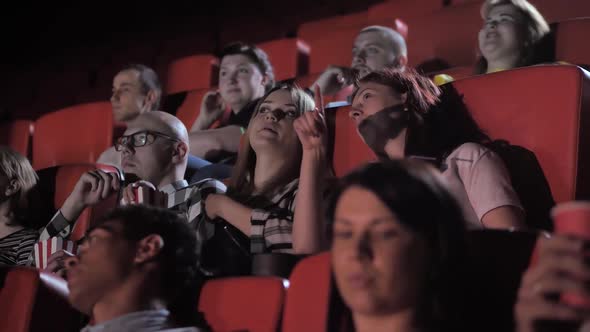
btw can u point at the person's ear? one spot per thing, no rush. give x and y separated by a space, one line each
402 61
148 248
151 98
180 152
12 188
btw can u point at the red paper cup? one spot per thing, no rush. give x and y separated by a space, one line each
573 218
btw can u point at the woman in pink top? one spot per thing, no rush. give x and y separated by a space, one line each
399 114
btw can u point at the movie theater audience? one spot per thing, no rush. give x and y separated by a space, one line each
17 232
401 114
397 250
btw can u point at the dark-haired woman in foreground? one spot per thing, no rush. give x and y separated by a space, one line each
397 249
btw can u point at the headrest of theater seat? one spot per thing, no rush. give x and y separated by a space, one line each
545 109
306 305
349 149
30 302
243 303
77 134
191 73
17 135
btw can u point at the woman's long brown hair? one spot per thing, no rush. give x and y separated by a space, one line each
241 184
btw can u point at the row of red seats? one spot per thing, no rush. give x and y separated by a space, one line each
548 114
449 35
435 32
302 303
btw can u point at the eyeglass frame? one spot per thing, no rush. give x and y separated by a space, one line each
120 146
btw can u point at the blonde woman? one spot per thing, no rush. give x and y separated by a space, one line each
17 237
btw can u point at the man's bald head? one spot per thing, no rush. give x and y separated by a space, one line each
161 155
398 43
378 47
162 122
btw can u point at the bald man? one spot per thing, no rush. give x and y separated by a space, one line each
154 150
375 48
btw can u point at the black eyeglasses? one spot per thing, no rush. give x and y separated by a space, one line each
141 138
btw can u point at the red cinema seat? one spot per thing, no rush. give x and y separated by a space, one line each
17 135
556 11
187 106
76 134
349 149
191 73
289 57
456 73
545 109
243 303
31 302
402 8
448 35
358 20
568 41
308 296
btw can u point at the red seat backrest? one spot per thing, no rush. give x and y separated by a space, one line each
189 110
334 22
402 9
555 11
31 303
76 134
243 303
448 34
308 296
545 109
289 57
17 135
191 73
349 149
567 41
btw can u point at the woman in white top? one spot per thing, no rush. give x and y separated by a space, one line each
399 115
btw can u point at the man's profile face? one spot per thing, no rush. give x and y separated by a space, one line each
104 261
128 99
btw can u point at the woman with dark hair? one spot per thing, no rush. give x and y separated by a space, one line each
401 114
274 194
511 36
245 75
17 236
396 250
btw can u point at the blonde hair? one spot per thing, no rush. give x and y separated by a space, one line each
535 29
242 180
17 167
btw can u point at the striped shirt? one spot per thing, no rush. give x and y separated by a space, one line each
272 225
15 248
182 198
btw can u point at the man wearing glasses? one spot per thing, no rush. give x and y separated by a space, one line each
137 270
154 150
137 90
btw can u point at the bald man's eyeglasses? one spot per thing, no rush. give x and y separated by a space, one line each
141 138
